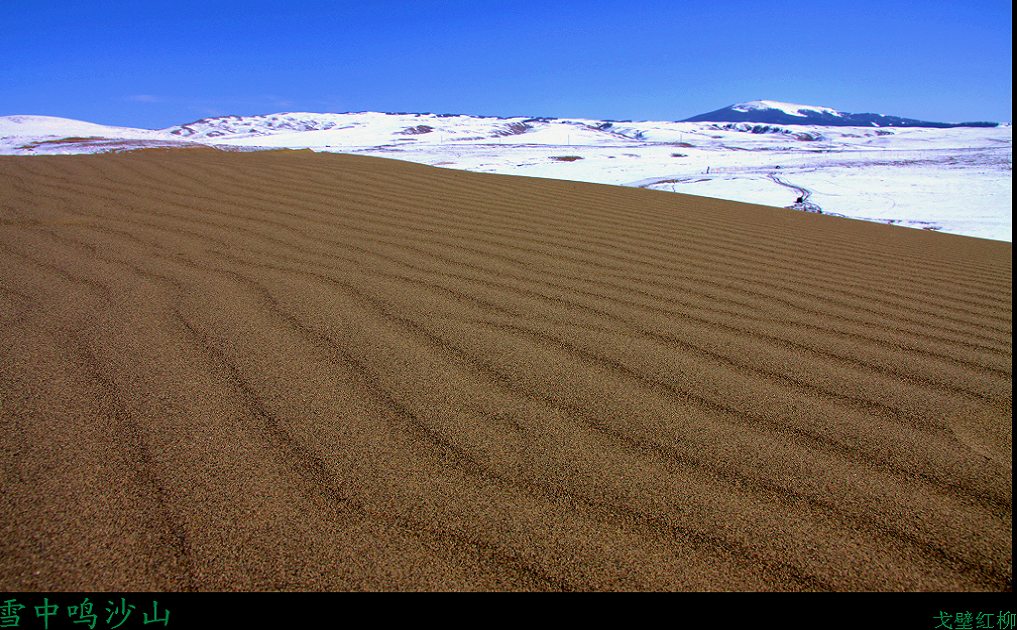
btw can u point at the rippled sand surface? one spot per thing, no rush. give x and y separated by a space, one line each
287 370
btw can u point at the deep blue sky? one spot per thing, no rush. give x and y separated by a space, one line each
154 64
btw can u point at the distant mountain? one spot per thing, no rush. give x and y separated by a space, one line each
777 113
359 131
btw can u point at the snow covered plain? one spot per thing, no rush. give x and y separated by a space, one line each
956 180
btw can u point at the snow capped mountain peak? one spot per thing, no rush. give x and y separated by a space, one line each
791 109
780 113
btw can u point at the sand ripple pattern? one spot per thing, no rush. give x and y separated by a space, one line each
285 370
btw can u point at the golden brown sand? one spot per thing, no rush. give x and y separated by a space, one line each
296 371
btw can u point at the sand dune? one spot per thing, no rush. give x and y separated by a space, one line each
288 370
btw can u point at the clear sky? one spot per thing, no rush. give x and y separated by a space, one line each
154 64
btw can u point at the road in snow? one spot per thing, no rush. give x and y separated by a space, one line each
802 201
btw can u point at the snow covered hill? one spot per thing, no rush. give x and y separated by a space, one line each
376 129
53 127
50 134
954 179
